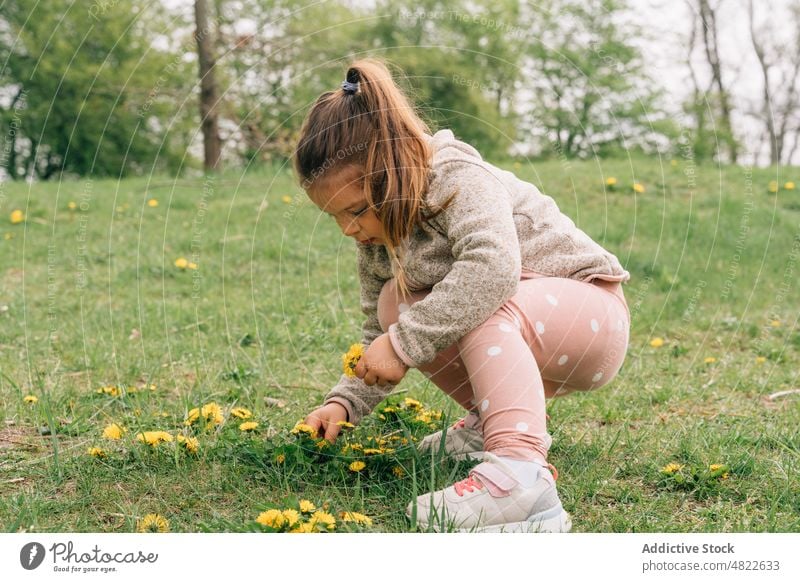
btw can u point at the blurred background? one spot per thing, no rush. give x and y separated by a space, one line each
130 88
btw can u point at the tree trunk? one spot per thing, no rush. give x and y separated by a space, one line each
710 40
208 87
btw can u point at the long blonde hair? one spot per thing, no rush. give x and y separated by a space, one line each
375 128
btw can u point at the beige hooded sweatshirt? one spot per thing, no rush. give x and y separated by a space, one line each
472 256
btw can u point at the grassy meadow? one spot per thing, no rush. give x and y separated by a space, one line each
102 323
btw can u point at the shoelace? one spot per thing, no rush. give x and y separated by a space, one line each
469 485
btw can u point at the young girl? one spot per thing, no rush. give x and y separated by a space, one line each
475 278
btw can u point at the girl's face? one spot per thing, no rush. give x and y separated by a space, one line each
341 197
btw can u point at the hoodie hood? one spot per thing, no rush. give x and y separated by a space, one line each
446 148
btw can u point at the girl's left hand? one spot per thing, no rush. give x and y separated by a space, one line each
380 364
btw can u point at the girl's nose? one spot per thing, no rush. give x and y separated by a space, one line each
350 228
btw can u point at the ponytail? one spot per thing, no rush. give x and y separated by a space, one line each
371 124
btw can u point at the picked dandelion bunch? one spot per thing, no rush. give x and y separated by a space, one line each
351 358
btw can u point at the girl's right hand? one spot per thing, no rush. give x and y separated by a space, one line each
326 418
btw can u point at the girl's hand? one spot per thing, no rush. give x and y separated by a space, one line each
380 364
325 418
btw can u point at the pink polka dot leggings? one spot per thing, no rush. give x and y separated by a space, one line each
554 336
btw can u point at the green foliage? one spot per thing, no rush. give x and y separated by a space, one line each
92 97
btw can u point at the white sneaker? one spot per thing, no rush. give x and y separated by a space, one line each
462 440
491 499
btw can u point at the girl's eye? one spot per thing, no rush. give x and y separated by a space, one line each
360 212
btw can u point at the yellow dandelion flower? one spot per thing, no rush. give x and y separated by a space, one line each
109 390
286 199
271 518
357 466
96 452
389 409
211 412
611 181
280 458
673 163
322 518
153 523
656 342
291 516
303 427
719 467
113 432
412 404
240 412
671 468
398 471
760 359
181 263
152 203
638 187
772 186
17 216
351 358
710 360
775 323
321 443
306 506
355 517
788 186
372 451
248 426
191 444
345 424
303 528
31 399
72 205
154 437
192 266
357 446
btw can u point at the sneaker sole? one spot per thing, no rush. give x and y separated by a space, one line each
555 520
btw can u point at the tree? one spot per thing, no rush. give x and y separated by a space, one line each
779 64
590 94
88 94
208 86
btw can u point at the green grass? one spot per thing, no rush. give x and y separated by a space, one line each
274 304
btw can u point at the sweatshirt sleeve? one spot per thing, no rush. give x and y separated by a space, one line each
358 398
480 229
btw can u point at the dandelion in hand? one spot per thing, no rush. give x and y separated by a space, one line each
351 358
